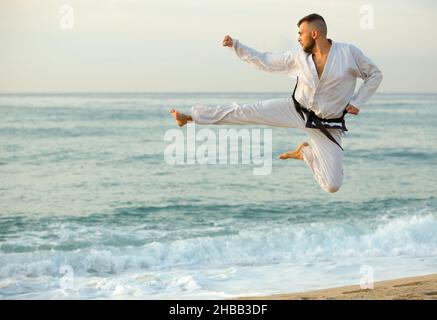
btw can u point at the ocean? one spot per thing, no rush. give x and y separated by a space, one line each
90 209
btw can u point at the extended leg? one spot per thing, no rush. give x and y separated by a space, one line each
274 112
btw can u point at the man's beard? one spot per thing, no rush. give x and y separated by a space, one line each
309 48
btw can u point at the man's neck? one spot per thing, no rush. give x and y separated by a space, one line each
321 49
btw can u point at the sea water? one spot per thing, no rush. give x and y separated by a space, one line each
90 209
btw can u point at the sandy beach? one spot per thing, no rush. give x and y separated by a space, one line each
412 288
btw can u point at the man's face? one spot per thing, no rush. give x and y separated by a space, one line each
305 37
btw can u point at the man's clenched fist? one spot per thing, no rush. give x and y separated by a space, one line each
227 41
352 110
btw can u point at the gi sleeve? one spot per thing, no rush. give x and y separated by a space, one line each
371 75
274 62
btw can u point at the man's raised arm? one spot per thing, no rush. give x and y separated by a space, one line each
275 62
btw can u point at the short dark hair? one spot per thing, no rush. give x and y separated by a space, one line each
317 20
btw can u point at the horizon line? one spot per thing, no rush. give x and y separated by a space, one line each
184 92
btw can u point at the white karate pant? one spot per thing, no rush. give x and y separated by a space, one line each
323 157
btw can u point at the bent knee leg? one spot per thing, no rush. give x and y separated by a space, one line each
331 188
332 185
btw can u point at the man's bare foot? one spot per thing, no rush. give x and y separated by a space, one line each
294 154
180 118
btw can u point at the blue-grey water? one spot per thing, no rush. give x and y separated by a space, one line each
89 209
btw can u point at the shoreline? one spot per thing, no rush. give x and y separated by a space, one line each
409 288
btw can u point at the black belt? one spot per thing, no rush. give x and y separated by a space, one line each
314 122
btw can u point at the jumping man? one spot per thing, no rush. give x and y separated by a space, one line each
326 72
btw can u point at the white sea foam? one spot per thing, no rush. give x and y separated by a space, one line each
170 267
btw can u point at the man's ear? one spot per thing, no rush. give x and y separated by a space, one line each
314 34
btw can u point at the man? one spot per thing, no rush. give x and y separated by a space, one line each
326 73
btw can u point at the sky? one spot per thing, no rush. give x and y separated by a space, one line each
175 45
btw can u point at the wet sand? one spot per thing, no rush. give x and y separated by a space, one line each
412 288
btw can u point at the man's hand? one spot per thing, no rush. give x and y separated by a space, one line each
227 42
352 110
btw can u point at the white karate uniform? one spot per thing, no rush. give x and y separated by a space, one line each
327 97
